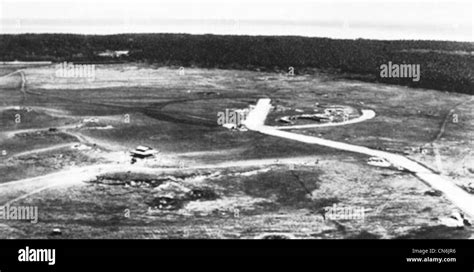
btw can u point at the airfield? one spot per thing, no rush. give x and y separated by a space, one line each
65 147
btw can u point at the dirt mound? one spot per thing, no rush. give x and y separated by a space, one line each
202 194
173 196
171 190
275 236
166 203
130 179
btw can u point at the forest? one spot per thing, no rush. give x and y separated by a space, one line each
446 66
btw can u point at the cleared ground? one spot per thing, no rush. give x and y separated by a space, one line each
231 184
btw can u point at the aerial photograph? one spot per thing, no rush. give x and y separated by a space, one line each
236 119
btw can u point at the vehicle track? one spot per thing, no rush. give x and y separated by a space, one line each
459 197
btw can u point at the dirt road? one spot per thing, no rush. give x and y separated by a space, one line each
366 115
16 190
462 199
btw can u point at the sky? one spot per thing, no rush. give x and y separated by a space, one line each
375 19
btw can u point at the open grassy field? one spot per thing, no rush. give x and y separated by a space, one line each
273 202
216 183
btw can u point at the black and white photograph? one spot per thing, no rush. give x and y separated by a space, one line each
237 119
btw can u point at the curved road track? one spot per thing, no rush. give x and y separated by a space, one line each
459 197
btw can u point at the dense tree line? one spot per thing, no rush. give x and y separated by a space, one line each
442 66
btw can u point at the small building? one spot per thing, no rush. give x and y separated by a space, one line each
113 53
285 119
377 161
235 127
230 126
142 152
90 120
